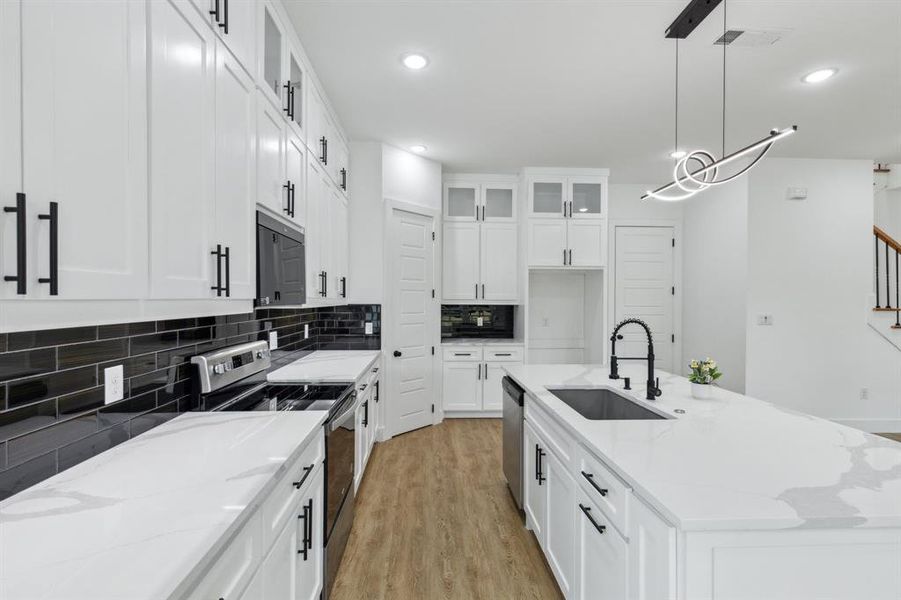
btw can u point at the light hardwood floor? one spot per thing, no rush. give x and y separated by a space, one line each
434 520
891 436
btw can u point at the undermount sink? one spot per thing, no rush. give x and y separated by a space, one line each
598 404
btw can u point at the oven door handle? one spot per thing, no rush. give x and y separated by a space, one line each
349 411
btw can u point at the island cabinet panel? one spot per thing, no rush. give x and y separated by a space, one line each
560 521
234 568
601 555
535 499
652 555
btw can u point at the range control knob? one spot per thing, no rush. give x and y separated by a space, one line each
219 369
261 353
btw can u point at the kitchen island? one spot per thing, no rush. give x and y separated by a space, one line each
729 497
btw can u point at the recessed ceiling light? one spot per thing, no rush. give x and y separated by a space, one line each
677 154
415 62
819 75
418 148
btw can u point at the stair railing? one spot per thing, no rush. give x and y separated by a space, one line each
890 246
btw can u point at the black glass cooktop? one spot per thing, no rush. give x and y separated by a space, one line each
259 395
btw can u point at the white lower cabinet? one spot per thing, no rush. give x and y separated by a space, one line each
366 420
535 497
601 555
560 523
472 374
567 243
652 555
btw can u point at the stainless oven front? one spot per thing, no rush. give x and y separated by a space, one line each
339 486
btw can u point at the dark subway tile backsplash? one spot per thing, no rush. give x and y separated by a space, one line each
52 411
462 321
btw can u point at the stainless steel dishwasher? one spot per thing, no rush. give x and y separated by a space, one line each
513 423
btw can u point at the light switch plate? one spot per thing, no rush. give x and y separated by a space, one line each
368 328
480 321
765 319
306 330
113 384
273 340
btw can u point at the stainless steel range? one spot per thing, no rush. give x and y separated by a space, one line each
234 379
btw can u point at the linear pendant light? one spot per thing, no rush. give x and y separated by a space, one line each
686 182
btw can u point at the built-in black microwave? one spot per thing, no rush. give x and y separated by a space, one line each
281 268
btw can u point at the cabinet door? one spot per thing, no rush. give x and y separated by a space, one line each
492 392
271 55
499 268
461 261
10 135
328 246
313 233
587 242
235 126
279 568
535 500
235 23
547 242
462 386
561 521
338 153
546 198
295 207
602 556
340 242
309 565
461 202
182 177
587 197
272 190
254 589
84 144
652 555
295 103
499 202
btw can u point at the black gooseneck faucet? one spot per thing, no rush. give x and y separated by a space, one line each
653 385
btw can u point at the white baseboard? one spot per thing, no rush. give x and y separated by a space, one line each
473 414
873 425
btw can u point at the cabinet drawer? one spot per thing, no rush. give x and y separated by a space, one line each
503 353
280 505
462 353
232 571
605 489
554 435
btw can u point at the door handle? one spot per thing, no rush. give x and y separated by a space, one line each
215 11
590 478
224 23
306 473
19 277
53 279
287 107
477 291
398 354
218 254
228 271
480 372
366 414
587 511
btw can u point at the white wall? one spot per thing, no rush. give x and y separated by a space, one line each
887 201
410 178
715 280
624 203
810 266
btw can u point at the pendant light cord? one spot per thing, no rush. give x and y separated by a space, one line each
724 77
676 146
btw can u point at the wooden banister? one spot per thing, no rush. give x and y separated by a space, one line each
889 240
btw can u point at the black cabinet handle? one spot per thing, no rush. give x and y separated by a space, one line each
376 392
323 146
486 371
323 276
344 287
228 272
503 354
224 23
291 198
305 515
477 291
344 179
218 254
309 524
570 257
541 477
398 354
306 473
287 188
462 353
483 291
53 279
480 372
366 414
287 107
590 478
291 97
215 11
587 511
19 277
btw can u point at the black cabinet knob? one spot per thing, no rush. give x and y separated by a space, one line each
397 353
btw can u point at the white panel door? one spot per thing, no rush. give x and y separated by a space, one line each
587 243
462 386
295 207
535 485
315 199
272 186
412 271
235 126
492 391
182 149
498 262
84 103
644 290
561 515
602 555
309 563
547 242
461 261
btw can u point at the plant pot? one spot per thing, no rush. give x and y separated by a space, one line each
701 391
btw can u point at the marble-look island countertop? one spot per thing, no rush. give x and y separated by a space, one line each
481 341
143 519
731 462
326 366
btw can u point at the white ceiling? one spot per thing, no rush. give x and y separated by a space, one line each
590 83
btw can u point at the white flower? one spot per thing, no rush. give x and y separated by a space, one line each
694 364
712 364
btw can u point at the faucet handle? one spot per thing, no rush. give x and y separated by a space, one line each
657 390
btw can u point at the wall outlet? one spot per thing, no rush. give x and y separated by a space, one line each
765 319
113 384
864 393
273 340
480 321
306 330
368 328
796 193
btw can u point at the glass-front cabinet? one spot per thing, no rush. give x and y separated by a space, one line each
468 201
546 197
294 89
568 197
461 201
498 202
272 55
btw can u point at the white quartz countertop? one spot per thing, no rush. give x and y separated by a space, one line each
143 519
481 342
731 462
326 366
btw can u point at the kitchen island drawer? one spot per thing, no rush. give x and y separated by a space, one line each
503 353
605 489
462 353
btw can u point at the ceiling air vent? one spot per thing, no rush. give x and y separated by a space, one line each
749 38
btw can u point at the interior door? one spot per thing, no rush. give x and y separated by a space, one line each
587 243
547 242
462 386
498 262
644 289
461 261
182 152
235 125
84 144
413 322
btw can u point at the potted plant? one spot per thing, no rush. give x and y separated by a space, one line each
703 374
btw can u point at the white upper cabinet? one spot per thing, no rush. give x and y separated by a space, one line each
479 202
295 89
235 23
295 206
574 197
461 202
182 150
313 233
272 43
235 128
547 197
272 185
499 202
81 160
587 243
498 261
547 243
339 241
587 197
461 277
